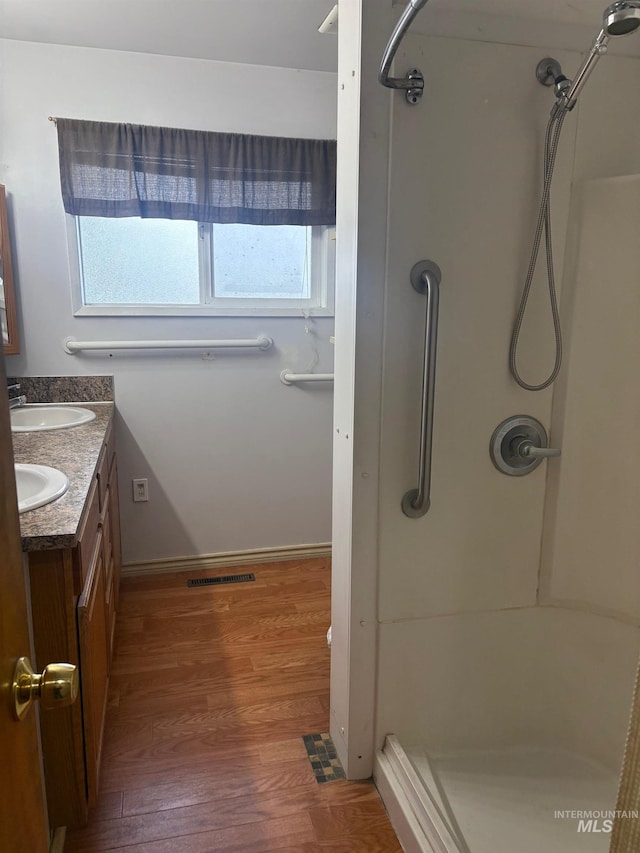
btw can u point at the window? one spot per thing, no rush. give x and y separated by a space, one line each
172 221
161 266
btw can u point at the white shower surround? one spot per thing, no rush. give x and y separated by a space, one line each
547 677
544 689
488 641
519 713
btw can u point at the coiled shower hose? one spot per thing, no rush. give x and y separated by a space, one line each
552 139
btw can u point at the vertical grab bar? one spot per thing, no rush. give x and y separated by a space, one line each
425 279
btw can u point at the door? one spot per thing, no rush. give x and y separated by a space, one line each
23 825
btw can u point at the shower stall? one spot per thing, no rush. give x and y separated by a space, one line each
507 618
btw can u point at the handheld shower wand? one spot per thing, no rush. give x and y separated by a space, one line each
619 19
568 96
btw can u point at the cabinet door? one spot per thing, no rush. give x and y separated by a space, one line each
94 666
109 596
86 538
114 508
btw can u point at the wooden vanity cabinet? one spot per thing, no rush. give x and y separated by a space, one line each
74 599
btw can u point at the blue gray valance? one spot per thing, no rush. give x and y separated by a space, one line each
115 169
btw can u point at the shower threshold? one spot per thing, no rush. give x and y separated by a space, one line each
495 801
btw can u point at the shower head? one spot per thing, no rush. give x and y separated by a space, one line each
621 18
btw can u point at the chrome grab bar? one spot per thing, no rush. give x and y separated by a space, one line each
425 278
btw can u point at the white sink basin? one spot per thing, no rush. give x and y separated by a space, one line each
31 418
38 485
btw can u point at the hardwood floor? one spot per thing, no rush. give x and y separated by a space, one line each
212 689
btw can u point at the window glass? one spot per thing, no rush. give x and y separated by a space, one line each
138 261
261 262
132 266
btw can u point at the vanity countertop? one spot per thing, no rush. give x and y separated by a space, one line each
75 452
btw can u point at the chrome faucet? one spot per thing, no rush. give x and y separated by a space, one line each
20 400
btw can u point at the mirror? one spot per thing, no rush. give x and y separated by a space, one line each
7 293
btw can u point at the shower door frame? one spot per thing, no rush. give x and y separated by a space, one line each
364 123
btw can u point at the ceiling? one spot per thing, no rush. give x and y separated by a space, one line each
259 32
285 32
569 24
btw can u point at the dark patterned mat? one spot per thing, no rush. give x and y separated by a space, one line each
324 759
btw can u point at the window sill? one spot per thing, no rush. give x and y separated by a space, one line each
196 311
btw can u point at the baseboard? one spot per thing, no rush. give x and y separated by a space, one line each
227 558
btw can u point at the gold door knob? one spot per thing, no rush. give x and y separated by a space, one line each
55 687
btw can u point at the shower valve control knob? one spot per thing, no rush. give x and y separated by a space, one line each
519 444
528 450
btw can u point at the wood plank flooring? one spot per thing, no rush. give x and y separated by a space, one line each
212 689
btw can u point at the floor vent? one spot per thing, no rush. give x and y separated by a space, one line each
224 579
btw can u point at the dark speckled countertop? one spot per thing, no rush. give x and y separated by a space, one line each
74 451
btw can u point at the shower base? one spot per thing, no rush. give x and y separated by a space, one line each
494 801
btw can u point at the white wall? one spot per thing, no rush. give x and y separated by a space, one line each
235 459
